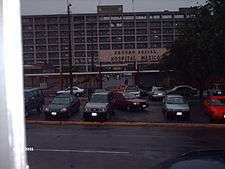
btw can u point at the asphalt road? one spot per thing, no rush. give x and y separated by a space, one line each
110 147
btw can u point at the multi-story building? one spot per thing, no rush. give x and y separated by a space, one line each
110 36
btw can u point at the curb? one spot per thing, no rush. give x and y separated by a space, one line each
138 124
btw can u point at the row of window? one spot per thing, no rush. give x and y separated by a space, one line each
91 40
64 35
81 47
41 20
102 25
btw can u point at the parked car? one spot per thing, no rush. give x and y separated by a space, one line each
157 93
62 106
99 107
34 100
119 88
175 106
215 107
100 90
128 101
216 89
76 90
184 90
133 90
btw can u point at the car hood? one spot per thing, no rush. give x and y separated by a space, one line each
218 109
159 92
137 100
56 107
178 107
96 105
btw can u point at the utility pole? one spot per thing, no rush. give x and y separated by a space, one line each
100 74
70 47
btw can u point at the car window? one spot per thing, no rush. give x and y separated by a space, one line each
175 100
129 96
61 100
99 98
132 88
217 102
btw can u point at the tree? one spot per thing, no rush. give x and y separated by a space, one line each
199 53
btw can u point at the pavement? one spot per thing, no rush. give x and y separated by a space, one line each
110 147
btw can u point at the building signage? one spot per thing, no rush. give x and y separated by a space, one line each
130 55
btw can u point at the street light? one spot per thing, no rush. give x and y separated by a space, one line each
70 47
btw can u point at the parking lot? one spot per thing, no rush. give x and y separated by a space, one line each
151 114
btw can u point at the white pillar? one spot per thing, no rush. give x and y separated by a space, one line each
12 131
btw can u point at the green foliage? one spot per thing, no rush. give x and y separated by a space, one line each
200 53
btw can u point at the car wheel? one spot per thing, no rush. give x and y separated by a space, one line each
128 108
47 117
168 117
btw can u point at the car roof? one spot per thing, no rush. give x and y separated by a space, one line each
101 93
31 89
216 97
174 95
64 95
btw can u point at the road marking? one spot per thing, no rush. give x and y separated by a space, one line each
141 124
81 151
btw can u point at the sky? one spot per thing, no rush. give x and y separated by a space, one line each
42 7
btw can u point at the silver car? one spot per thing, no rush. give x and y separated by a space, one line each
99 107
176 106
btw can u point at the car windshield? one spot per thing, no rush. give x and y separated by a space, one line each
61 100
99 98
130 96
175 100
131 89
218 102
221 87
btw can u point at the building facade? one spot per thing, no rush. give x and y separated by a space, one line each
110 38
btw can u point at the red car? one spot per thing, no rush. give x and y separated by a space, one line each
127 101
215 107
119 88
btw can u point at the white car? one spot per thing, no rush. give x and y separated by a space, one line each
184 90
157 93
133 90
76 90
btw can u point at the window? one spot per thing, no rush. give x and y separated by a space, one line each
129 38
117 46
104 46
129 46
53 47
52 27
53 40
117 39
142 31
28 42
40 48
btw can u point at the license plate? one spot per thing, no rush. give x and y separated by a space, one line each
143 105
54 113
179 113
94 114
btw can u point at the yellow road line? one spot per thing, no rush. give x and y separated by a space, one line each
147 124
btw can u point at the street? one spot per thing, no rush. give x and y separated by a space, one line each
109 147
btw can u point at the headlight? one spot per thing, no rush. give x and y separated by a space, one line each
64 109
135 103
